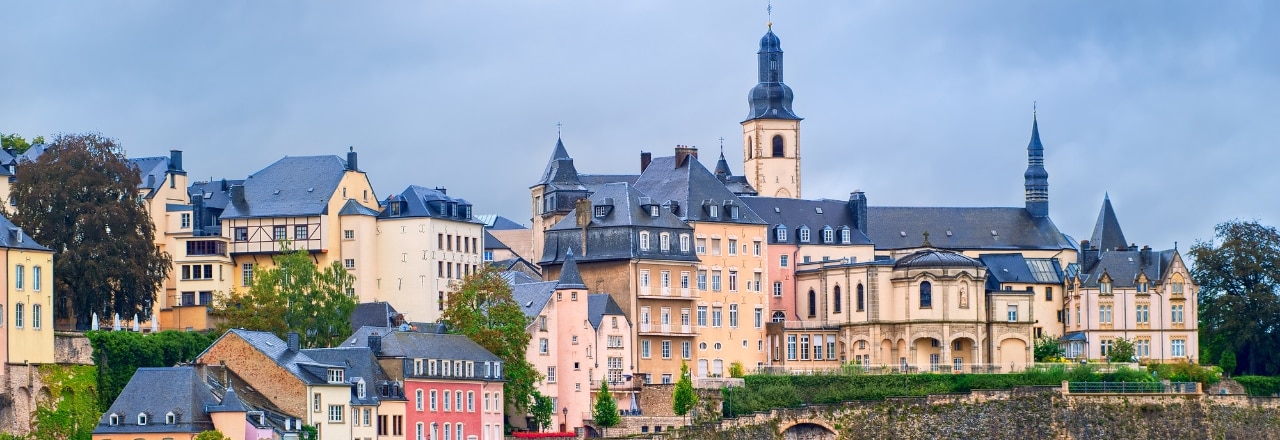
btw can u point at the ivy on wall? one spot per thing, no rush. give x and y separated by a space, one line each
71 411
118 354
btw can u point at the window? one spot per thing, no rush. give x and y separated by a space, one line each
684 242
926 295
777 288
1176 314
417 428
782 260
242 234
713 211
432 402
701 247
417 402
1176 288
716 316
664 241
36 316
335 375
804 347
17 315
315 402
791 347
1104 314
733 315
759 317
644 240
1105 288
279 233
1143 313
644 278
828 235
300 232
844 236
186 220
733 246
1178 348
715 281
804 234
780 234
686 350
702 280
778 150
1142 348
1013 313
246 274
349 263
831 346
348 234
702 316
757 280
645 348
113 420
142 419
666 349
600 210
715 246
755 248
861 299
665 279
335 413
448 400
733 281
615 341
684 280
18 274
836 300
1104 347
1048 294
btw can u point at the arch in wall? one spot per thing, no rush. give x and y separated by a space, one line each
808 429
1013 353
779 150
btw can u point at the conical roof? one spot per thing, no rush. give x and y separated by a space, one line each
569 276
1106 232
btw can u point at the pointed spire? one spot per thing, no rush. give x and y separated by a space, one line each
560 168
569 276
1036 179
230 402
1107 235
722 168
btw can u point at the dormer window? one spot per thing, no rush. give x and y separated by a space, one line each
142 419
1105 287
844 235
599 211
664 241
713 211
395 209
653 210
644 240
360 388
828 235
804 234
170 419
113 420
780 234
684 242
733 211
335 375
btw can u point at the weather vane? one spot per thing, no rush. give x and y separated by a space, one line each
769 13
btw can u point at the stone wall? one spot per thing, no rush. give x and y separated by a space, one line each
22 388
72 348
1032 412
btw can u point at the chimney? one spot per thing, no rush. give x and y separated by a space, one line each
645 158
175 160
375 344
151 180
1145 255
683 152
294 344
197 214
442 190
237 194
858 210
224 184
351 159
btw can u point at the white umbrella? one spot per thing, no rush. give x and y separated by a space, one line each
117 323
155 324
135 323
95 321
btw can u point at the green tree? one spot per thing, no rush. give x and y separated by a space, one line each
482 309
17 143
683 398
737 370
1228 362
80 198
1238 273
541 409
295 295
211 435
1121 351
605 412
116 355
1047 349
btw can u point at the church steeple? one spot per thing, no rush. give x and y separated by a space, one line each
1107 235
1036 178
771 98
771 133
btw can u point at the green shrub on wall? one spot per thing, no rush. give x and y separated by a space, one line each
71 412
119 354
1260 385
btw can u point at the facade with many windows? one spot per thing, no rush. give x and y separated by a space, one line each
26 308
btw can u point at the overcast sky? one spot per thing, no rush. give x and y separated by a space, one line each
1171 106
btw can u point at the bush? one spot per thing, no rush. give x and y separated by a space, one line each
1185 372
1259 385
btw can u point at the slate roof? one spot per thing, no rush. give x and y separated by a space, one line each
903 228
615 235
497 222
691 185
360 363
413 344
13 237
152 170
794 213
569 276
491 242
230 403
156 392
1106 231
533 297
375 314
1014 268
352 207
736 184
560 171
292 186
600 305
931 258
306 369
420 201
1124 266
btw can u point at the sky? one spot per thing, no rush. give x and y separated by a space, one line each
1168 106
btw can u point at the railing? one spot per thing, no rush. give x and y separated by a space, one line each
810 324
1133 387
616 385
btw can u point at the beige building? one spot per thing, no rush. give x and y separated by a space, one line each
771 132
26 310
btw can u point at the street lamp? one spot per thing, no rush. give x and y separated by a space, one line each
565 425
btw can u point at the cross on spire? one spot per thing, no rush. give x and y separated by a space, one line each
558 124
721 144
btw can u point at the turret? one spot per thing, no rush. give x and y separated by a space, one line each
1036 178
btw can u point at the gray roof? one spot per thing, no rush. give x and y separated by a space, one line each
569 276
352 207
156 392
1014 268
533 297
152 170
1124 266
593 182
969 228
306 369
360 363
560 170
692 186
13 237
816 214
513 277
1106 231
230 403
615 235
491 242
599 305
292 186
931 258
420 201
411 344
497 222
376 314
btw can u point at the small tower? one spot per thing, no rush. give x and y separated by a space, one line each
554 195
1036 178
1107 235
771 132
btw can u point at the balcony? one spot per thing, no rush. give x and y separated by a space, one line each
618 385
666 293
651 329
810 324
207 248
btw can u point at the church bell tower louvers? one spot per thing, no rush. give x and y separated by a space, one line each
771 132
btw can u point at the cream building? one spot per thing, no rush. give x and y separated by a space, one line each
771 133
26 311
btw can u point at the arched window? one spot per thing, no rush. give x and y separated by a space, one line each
113 420
418 431
644 240
862 300
778 151
777 317
750 147
813 303
17 315
839 304
828 235
170 418
926 295
142 419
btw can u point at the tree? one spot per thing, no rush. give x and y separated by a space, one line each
211 435
80 198
605 412
1047 349
737 370
542 410
482 309
1238 273
294 296
683 398
1228 362
17 143
117 355
1121 351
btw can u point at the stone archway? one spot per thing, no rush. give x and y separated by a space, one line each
808 430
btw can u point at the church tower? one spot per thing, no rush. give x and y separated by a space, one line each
1036 178
554 195
771 133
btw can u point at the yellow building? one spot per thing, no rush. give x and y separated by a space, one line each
26 313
